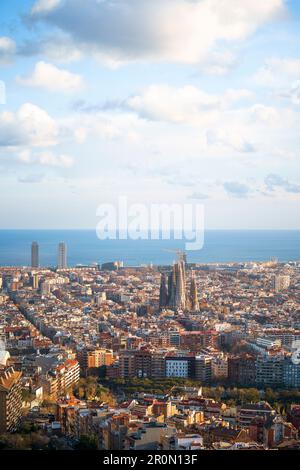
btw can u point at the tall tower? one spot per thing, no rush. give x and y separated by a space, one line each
62 255
194 294
180 296
34 255
163 293
172 288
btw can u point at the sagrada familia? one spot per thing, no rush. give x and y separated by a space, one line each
173 291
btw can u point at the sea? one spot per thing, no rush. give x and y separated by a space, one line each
84 247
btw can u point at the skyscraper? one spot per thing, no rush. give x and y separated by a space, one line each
62 255
34 255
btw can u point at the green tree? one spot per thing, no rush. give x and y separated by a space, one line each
87 442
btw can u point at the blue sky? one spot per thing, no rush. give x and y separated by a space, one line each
162 101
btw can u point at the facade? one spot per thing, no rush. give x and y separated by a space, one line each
269 371
148 437
188 442
247 413
127 364
182 367
158 365
61 378
219 368
291 374
142 364
10 400
174 338
94 358
194 341
268 343
242 370
68 375
203 368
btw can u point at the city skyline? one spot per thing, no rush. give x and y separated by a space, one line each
123 362
149 230
203 110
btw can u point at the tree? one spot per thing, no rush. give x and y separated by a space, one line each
270 395
39 441
14 442
27 396
28 428
252 395
87 442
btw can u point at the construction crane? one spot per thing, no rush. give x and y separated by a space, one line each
180 253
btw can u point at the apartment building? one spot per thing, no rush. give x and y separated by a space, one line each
95 358
10 399
179 366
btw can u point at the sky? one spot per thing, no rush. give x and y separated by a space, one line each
161 101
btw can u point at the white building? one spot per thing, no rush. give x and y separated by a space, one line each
177 367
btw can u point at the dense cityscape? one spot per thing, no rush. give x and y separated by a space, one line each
149 232
181 357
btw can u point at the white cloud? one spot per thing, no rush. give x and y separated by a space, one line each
50 159
80 134
292 93
219 63
282 77
188 104
30 125
51 78
209 125
232 95
166 103
7 49
230 137
295 93
265 114
170 30
46 158
274 181
278 72
105 126
44 6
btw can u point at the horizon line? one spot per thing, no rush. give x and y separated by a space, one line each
160 231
